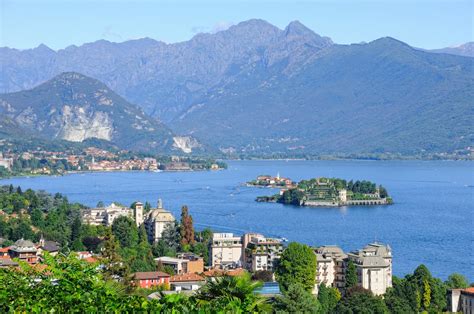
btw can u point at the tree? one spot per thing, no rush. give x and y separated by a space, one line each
186 228
351 275
114 267
263 275
328 298
361 301
233 294
426 294
296 299
126 232
297 265
456 281
100 204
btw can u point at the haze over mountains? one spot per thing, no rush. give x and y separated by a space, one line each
255 88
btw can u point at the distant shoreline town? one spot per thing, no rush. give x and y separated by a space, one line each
330 192
92 159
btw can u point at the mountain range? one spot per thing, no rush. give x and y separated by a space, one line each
255 88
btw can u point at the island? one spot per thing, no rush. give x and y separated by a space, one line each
267 181
328 192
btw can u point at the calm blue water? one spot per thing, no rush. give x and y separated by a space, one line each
431 222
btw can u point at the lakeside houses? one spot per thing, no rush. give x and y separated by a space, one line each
156 221
373 264
461 300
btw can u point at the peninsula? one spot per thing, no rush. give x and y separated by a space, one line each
329 192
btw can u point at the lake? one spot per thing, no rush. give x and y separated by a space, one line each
431 221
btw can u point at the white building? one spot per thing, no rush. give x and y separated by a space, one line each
261 253
106 215
461 300
374 267
330 267
373 264
226 251
156 221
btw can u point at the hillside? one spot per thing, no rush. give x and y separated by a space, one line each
379 97
76 108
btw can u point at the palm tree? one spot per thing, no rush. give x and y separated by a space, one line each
232 293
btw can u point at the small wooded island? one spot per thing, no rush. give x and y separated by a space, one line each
323 192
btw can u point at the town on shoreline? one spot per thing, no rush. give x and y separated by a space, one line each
93 159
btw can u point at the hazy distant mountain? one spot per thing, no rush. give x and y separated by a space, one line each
379 97
75 108
164 79
257 88
466 50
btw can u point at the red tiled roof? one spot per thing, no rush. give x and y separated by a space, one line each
4 249
220 272
90 259
469 290
150 275
186 277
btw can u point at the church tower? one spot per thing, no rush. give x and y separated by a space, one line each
138 213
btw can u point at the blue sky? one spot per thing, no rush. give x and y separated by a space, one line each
58 24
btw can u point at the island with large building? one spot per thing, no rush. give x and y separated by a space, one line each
328 192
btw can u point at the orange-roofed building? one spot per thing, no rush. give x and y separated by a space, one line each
151 279
4 252
220 273
190 281
461 300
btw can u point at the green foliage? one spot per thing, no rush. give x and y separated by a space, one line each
232 294
297 300
292 196
419 291
351 275
328 298
456 281
186 228
263 275
297 265
360 301
125 231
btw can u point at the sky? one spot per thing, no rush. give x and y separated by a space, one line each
426 24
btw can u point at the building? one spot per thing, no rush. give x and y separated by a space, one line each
183 264
51 247
151 279
7 163
156 222
261 253
190 282
138 213
330 270
226 251
461 300
106 215
373 264
24 250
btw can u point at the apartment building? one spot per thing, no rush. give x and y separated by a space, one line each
226 251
